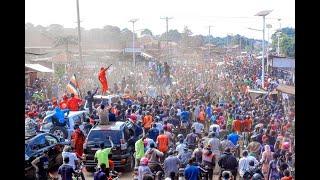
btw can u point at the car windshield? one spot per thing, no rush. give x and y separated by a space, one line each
27 150
98 135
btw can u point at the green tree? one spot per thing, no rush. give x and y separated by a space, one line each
59 70
66 41
287 41
146 32
173 35
111 36
185 38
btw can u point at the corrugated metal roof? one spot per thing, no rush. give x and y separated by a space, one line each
283 63
39 68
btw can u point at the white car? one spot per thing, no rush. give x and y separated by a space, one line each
97 99
74 117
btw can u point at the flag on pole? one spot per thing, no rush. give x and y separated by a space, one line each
73 86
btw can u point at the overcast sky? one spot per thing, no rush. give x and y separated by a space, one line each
227 16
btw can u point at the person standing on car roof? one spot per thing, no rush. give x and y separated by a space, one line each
89 99
78 139
102 155
74 103
103 113
41 164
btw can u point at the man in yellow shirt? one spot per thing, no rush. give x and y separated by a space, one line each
102 155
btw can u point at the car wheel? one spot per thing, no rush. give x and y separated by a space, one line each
60 132
131 165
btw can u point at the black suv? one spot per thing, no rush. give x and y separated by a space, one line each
36 145
123 135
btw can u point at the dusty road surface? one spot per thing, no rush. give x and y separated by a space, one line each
123 176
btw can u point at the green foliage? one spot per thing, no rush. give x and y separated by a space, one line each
287 42
59 70
146 32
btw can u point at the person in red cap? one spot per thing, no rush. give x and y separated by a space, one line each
74 103
103 79
64 103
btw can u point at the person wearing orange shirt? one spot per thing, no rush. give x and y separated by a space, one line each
202 117
147 121
103 80
74 103
64 103
247 124
163 142
236 125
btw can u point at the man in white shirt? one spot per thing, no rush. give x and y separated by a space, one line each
216 126
244 162
198 127
180 147
67 152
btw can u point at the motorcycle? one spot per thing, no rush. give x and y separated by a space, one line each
79 173
249 173
114 175
204 173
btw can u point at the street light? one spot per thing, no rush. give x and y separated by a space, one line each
263 14
278 35
133 51
268 26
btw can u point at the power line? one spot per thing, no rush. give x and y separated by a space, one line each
167 29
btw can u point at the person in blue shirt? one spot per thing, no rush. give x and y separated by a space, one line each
58 117
233 137
112 117
139 129
154 132
192 171
209 111
213 117
184 115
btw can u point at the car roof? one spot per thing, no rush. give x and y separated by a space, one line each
71 114
112 126
30 138
104 97
75 113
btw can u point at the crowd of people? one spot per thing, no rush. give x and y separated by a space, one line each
198 118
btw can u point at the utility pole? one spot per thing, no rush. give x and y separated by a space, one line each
133 51
79 32
240 45
167 29
278 35
210 42
263 14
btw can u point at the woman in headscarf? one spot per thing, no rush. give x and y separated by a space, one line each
265 160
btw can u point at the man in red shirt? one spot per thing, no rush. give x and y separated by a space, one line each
74 103
64 103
